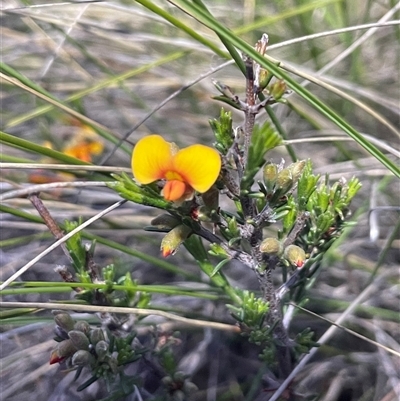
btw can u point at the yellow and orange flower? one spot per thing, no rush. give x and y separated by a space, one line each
194 168
84 145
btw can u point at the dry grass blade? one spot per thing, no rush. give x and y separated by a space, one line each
368 291
67 167
112 309
352 332
57 104
344 95
49 187
359 41
36 259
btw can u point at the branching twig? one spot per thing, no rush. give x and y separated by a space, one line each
249 114
49 221
298 227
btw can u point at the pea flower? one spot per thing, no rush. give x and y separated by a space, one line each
194 168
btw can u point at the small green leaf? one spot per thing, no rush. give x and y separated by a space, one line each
145 195
223 132
219 266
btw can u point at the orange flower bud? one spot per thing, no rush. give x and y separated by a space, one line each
63 350
172 240
295 255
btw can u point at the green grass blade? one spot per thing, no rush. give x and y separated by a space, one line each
184 28
288 13
32 147
29 146
273 66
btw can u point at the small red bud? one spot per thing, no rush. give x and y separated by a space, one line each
295 256
173 239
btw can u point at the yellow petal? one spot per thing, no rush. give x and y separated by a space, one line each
151 159
199 166
96 147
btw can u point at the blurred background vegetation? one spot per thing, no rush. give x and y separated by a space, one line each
88 79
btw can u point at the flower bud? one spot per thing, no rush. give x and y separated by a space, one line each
61 333
172 240
167 380
189 387
65 321
165 222
295 255
82 358
63 350
79 339
271 246
82 326
96 335
270 174
179 376
284 181
113 364
101 349
296 169
277 89
264 78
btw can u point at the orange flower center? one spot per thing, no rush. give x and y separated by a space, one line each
174 190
